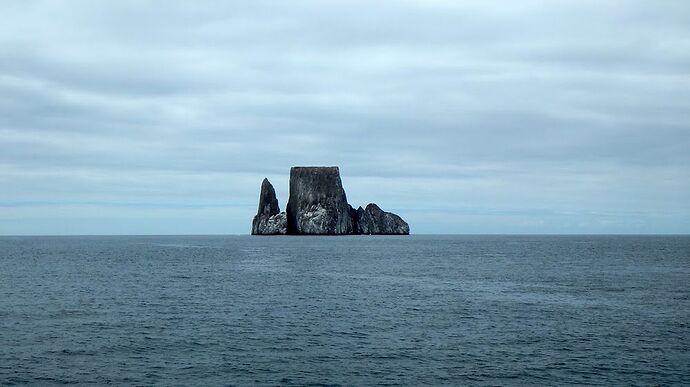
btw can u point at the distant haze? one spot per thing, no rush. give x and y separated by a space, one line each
160 117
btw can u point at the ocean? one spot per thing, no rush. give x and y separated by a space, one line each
349 310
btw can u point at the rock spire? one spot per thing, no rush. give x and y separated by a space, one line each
269 220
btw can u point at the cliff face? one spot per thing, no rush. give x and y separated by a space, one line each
318 206
269 220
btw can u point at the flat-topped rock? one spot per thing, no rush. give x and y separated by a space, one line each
318 204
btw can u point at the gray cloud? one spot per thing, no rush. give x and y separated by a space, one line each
570 116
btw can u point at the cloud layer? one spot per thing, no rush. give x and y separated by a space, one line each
473 117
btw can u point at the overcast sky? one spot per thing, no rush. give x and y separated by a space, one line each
163 117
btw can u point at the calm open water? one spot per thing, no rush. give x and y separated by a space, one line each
355 310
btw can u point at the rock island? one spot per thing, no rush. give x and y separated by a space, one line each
318 206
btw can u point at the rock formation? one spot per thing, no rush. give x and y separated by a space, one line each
318 206
373 220
269 220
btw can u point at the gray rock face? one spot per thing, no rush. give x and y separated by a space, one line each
318 204
273 225
269 220
373 220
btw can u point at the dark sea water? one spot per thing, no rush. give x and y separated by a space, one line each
355 310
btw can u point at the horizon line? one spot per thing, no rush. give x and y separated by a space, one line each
332 235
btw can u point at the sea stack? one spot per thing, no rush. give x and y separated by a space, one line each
269 220
318 206
373 220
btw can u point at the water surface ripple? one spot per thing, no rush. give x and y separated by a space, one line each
355 310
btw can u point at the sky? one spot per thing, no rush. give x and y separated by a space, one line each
471 117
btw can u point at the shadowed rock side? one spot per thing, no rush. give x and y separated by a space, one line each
269 220
373 220
317 204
